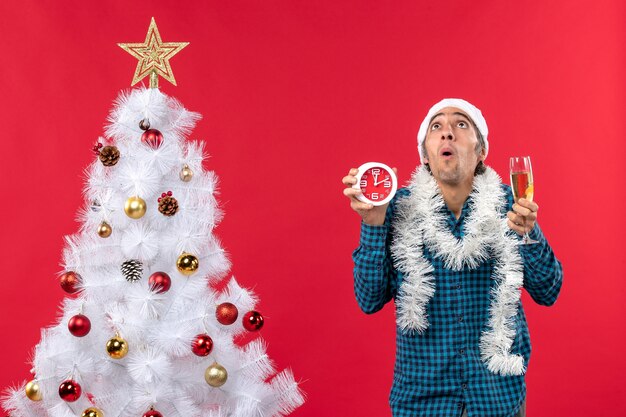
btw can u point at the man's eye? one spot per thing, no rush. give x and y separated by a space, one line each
434 126
462 125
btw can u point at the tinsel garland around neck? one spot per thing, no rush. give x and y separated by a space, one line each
420 222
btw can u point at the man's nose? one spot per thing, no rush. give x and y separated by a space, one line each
446 133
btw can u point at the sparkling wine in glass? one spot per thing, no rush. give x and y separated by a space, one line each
522 185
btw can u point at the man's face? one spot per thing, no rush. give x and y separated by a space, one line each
451 147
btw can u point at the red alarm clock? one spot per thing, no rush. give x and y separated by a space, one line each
377 182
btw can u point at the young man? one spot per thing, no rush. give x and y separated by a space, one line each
445 251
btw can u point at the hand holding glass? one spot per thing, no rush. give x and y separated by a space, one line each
522 185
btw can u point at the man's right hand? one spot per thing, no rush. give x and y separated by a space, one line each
372 215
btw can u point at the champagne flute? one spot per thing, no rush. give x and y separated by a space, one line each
522 185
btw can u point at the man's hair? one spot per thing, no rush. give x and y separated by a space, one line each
480 145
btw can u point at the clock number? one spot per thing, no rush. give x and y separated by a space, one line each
375 171
374 196
363 183
387 184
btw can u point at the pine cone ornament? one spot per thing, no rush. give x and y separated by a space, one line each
132 270
109 155
168 205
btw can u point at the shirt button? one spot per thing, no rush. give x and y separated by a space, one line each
460 319
379 267
462 351
458 286
464 386
460 405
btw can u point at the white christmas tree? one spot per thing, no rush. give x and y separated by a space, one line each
145 332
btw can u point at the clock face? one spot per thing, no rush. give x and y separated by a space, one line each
377 183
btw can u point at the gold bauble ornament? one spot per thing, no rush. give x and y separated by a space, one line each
117 347
104 230
187 264
33 392
215 375
135 207
92 412
186 174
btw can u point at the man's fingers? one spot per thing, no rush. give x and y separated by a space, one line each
521 224
360 206
515 218
517 229
511 216
521 210
531 205
351 192
525 213
348 180
521 220
353 171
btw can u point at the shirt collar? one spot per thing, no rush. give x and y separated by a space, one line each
452 220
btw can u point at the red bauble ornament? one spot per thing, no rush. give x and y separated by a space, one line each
152 413
70 281
202 344
152 137
79 325
69 390
253 321
160 282
226 313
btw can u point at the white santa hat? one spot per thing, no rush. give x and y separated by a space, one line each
472 111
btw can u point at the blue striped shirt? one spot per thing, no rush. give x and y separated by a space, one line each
438 372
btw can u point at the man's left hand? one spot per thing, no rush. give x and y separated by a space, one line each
523 217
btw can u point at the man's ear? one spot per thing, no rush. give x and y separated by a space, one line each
482 154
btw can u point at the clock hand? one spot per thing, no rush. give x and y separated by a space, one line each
376 183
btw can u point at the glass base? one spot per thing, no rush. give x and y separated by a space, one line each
526 240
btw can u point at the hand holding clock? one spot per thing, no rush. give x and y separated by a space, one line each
373 205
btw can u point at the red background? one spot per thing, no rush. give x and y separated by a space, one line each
293 94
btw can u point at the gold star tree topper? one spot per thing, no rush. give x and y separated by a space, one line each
154 56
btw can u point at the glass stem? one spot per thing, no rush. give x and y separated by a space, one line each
526 237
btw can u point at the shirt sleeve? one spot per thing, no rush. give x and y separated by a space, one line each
543 273
374 274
